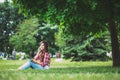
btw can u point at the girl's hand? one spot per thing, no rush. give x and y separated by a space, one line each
36 61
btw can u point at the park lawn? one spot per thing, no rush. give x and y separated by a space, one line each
65 70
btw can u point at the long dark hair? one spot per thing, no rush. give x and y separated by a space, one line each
46 45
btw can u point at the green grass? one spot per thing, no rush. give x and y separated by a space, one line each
64 70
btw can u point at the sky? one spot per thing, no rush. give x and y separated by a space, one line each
3 1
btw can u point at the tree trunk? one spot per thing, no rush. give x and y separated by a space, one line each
115 45
114 38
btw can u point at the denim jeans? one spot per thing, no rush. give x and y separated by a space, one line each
31 64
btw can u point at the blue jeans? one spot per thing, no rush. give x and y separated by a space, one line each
30 64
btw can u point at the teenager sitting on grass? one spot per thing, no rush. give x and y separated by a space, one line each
41 60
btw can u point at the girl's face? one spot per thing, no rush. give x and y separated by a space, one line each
42 46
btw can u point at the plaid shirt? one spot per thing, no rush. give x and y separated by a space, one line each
45 61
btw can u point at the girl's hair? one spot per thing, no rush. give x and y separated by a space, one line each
46 45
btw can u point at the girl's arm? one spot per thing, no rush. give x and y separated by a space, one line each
37 57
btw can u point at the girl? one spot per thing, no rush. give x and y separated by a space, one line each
41 60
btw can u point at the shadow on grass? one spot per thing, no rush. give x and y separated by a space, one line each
96 69
71 70
74 70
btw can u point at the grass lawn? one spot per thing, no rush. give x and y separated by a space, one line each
64 70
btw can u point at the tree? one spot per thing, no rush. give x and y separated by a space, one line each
23 39
79 16
9 18
84 47
29 34
47 32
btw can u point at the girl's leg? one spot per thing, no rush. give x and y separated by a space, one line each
26 65
36 66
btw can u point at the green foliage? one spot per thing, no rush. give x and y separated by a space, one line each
80 17
9 18
60 37
18 56
47 32
23 39
90 47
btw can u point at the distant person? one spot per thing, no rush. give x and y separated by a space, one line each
58 54
14 54
58 57
41 60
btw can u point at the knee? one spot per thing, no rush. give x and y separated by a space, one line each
29 61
